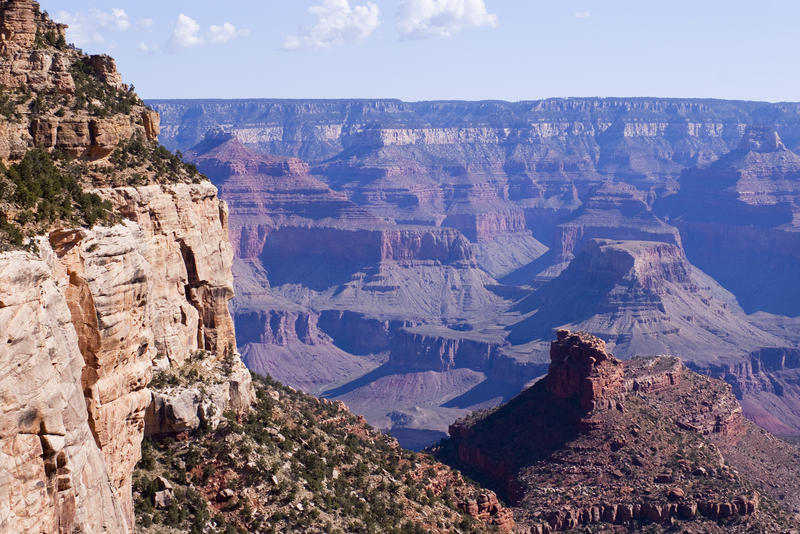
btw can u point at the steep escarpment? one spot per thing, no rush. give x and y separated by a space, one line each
623 444
480 165
132 302
118 267
57 98
740 221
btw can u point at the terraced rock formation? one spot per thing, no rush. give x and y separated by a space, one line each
432 219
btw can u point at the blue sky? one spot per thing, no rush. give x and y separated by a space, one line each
445 49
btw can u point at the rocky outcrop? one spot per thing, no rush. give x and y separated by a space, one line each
766 385
420 350
278 327
424 349
196 396
485 507
603 441
663 513
581 369
34 58
358 333
614 211
106 290
478 227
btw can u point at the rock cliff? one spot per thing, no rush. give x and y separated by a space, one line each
123 299
93 305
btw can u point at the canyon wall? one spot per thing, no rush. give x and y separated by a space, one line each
95 310
484 226
91 312
673 132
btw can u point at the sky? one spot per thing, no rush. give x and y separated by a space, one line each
445 49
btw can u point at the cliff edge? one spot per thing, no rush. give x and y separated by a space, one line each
117 268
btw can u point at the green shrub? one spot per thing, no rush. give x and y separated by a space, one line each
42 193
89 87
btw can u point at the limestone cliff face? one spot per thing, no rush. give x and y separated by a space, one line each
85 322
53 476
88 314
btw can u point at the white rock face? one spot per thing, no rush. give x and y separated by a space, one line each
53 477
81 325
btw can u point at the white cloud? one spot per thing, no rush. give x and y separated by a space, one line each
226 32
583 14
420 19
187 33
90 27
337 24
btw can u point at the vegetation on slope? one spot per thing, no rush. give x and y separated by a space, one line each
295 464
103 131
35 193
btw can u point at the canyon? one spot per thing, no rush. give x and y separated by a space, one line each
410 264
118 342
414 259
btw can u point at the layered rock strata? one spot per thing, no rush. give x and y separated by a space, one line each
27 65
622 443
740 221
643 297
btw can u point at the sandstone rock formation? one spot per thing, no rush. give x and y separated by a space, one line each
151 291
89 312
622 443
54 476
